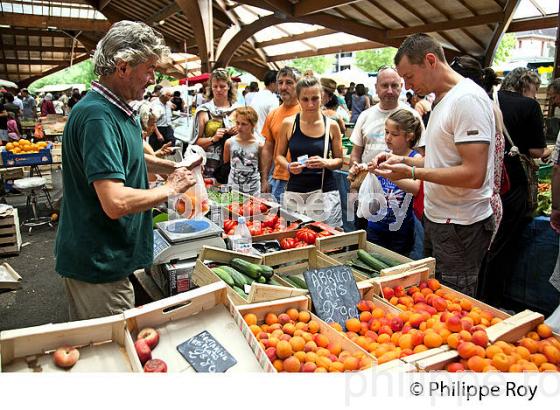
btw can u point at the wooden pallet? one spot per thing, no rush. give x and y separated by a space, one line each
10 236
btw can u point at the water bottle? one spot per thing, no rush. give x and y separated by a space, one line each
241 241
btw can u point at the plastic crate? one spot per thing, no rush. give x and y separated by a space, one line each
545 171
16 160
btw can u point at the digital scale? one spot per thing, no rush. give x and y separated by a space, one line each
176 247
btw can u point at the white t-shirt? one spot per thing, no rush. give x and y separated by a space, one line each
369 131
464 115
162 112
263 102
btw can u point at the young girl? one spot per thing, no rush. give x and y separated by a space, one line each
402 132
243 152
13 132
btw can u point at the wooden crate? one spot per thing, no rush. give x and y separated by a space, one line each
277 307
9 278
102 344
12 173
344 247
203 275
296 261
185 315
414 277
10 235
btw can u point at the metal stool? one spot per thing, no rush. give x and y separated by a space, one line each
32 187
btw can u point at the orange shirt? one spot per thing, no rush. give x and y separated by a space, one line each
271 130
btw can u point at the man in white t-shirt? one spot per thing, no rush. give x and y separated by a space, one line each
265 100
458 166
161 108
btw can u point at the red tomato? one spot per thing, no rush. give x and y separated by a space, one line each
255 231
306 235
229 225
270 221
323 234
288 243
300 244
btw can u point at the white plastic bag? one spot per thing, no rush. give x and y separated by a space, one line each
370 197
193 204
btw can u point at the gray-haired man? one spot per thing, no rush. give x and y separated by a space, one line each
105 230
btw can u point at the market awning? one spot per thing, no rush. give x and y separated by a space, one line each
202 78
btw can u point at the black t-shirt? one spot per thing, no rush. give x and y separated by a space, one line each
3 119
178 102
524 121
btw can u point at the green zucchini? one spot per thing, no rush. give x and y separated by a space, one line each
226 277
371 261
297 281
240 292
387 260
274 282
237 277
248 279
266 271
248 268
261 279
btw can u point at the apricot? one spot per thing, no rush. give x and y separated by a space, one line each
466 350
544 331
292 364
420 348
383 338
477 364
489 368
405 341
466 304
501 362
336 326
255 329
353 325
434 284
289 328
335 348
313 326
465 336
336 367
552 354
453 340
283 349
301 326
387 357
323 361
523 352
366 362
455 367
548 367
506 347
250 319
433 340
293 314
323 352
365 316
304 316
270 318
529 344
454 325
309 367
278 365
534 336
480 338
493 350
321 340
320 370
538 358
297 343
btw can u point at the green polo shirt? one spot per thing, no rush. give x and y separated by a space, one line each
101 142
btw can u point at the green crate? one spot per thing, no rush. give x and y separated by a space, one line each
545 171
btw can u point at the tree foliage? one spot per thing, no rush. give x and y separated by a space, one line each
81 73
505 48
371 60
319 64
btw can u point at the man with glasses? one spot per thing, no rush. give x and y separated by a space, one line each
458 166
368 136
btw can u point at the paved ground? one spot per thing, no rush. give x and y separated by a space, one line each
41 298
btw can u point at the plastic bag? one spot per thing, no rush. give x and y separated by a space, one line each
193 203
370 197
182 128
554 320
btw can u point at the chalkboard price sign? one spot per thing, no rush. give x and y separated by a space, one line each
334 293
206 354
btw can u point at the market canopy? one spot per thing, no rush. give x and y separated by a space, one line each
42 36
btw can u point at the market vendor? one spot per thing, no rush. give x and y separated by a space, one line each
105 230
458 167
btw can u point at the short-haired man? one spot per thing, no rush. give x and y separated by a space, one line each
29 107
161 107
105 230
265 100
458 166
286 80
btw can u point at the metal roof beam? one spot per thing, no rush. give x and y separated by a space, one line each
305 7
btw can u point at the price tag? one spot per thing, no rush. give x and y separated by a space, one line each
334 293
206 354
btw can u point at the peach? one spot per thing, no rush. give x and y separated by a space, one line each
480 338
309 367
418 298
289 328
250 319
453 323
439 304
399 291
353 325
466 323
271 354
283 349
313 326
293 314
278 365
434 284
297 343
544 331
283 318
466 350
455 367
432 340
270 318
292 364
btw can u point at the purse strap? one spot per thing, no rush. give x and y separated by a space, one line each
513 151
326 149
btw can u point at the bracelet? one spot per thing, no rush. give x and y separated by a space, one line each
413 176
288 168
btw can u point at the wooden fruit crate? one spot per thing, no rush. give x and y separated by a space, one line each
280 306
10 235
102 344
185 315
296 261
203 275
414 277
344 247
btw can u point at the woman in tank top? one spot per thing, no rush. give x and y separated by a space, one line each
303 137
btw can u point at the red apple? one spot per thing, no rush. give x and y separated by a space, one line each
66 356
151 336
388 292
155 366
143 350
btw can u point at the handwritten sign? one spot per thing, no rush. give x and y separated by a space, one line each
334 293
206 354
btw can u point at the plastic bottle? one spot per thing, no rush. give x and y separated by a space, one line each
242 241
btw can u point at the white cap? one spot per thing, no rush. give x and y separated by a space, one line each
241 220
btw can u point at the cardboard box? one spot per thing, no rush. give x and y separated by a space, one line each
183 316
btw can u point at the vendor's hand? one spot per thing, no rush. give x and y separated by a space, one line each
555 220
295 168
165 150
232 130
393 172
354 169
219 134
265 187
316 162
378 160
180 180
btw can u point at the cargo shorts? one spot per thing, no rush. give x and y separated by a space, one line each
459 251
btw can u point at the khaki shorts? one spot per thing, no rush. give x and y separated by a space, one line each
91 300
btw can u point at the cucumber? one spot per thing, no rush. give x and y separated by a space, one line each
226 277
298 282
237 277
387 260
261 279
274 282
240 292
371 261
358 264
266 271
248 268
248 279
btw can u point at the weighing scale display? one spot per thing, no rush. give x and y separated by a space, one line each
160 244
